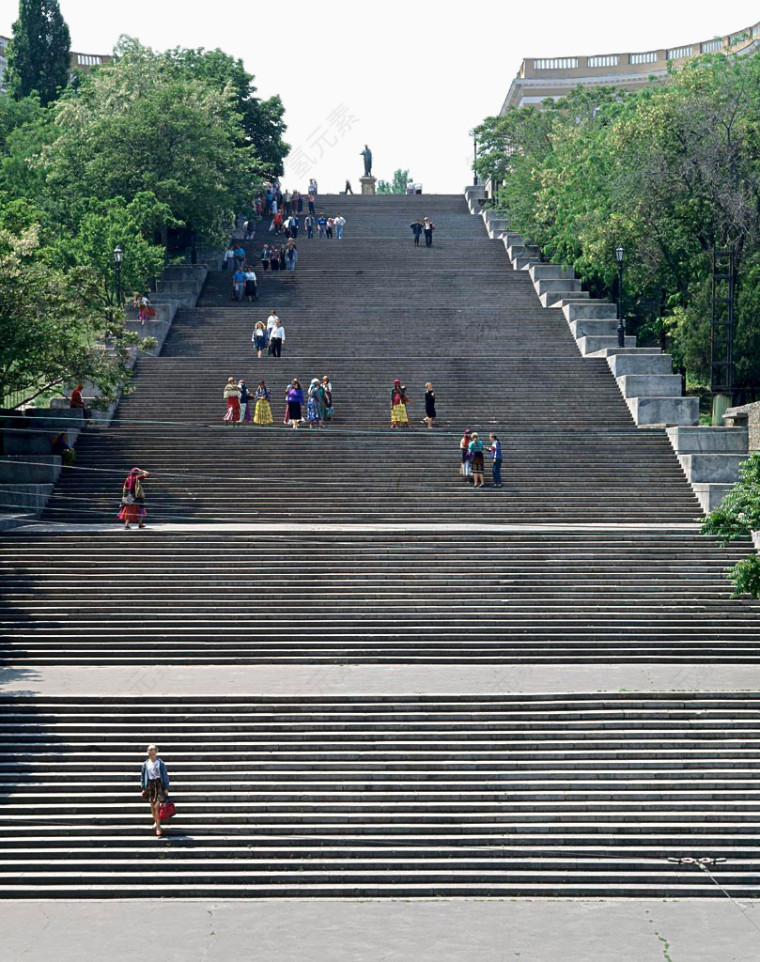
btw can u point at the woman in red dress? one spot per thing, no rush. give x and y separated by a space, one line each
232 397
133 499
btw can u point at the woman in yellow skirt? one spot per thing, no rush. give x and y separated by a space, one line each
263 411
399 400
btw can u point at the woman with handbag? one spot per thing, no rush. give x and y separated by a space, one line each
155 786
133 499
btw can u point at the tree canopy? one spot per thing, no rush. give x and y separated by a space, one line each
146 143
668 172
397 185
39 52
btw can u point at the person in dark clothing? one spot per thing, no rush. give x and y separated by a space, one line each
417 230
428 226
495 450
349 189
429 418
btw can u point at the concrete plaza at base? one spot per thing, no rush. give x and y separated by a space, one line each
491 930
377 679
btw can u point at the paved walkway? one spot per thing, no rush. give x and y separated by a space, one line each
377 679
387 931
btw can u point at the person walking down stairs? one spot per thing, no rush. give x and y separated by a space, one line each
263 413
428 227
250 283
429 418
232 397
417 230
291 256
276 339
340 223
154 779
293 403
399 401
133 499
259 339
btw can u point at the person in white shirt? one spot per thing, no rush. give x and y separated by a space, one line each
340 223
272 321
250 284
276 340
229 258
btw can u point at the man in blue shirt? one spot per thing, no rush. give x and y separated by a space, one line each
495 450
238 280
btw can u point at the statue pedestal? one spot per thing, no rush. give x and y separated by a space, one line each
368 184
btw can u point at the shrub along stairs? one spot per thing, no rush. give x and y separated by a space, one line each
359 545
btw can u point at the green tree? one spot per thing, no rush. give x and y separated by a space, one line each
263 127
668 172
397 185
54 331
140 125
106 224
39 51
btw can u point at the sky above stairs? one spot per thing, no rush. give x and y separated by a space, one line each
409 79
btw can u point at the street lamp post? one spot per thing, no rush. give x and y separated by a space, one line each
118 254
619 256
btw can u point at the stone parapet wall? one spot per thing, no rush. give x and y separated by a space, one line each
749 413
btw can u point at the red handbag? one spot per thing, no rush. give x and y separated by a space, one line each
167 809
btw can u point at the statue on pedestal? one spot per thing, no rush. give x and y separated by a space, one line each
367 155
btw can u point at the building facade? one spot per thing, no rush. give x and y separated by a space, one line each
539 79
79 61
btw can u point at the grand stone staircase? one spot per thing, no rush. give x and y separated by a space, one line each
361 545
385 796
408 598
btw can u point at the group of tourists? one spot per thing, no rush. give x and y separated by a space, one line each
400 402
282 258
272 199
313 407
326 227
420 227
472 453
317 400
239 399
